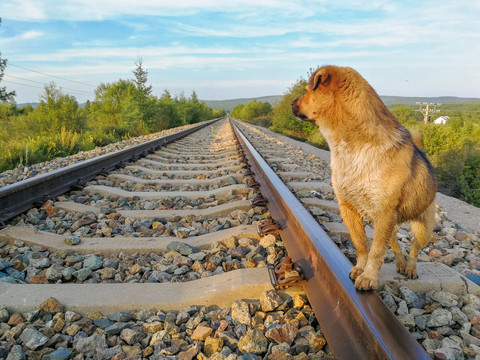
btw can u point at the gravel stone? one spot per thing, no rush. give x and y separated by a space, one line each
83 274
116 328
73 240
33 339
444 298
285 333
4 315
17 353
253 342
131 336
93 262
59 354
54 273
270 301
91 344
241 313
440 317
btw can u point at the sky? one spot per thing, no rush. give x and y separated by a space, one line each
239 48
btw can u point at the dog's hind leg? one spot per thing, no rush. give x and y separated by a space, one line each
399 258
356 228
422 228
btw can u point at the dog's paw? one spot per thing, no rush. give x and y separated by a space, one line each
411 273
411 269
365 282
401 269
356 272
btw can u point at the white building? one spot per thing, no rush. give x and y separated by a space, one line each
441 120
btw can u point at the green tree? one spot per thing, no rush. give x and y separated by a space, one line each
237 111
255 109
141 78
5 95
191 110
440 138
166 113
116 110
216 113
143 94
458 173
284 122
251 110
58 110
406 115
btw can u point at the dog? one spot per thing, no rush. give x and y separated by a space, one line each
379 172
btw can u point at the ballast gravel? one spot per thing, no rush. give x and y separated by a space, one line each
447 325
272 327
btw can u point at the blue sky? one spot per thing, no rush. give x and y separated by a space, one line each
231 49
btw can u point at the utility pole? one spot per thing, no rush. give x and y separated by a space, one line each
427 109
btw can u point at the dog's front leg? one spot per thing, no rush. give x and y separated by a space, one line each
384 226
356 228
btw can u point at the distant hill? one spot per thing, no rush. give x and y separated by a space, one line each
404 100
34 104
229 105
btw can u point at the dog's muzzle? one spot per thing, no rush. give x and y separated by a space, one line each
296 110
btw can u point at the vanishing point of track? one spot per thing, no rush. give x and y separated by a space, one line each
223 183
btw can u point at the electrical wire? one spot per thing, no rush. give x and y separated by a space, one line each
38 87
38 82
58 77
16 83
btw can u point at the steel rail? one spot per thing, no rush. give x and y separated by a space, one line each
356 324
21 196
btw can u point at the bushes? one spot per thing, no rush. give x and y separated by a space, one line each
284 122
253 110
458 174
60 127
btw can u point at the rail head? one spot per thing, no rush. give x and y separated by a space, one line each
357 324
19 197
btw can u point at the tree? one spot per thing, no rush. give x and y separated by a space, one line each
115 109
251 110
143 94
5 96
57 110
406 115
141 78
237 111
255 109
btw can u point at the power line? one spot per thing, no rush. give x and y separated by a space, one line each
18 77
38 82
38 87
16 83
58 77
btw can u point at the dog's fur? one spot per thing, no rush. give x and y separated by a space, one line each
379 172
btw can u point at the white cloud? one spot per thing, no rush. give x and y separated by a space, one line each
83 10
22 10
25 36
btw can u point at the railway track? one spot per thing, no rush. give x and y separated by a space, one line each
176 231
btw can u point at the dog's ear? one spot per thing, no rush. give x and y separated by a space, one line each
319 77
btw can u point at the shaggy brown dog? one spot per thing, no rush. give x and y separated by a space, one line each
379 172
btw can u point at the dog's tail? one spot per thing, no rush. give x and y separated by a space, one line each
417 139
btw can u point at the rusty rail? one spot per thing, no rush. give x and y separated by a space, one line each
357 324
21 196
